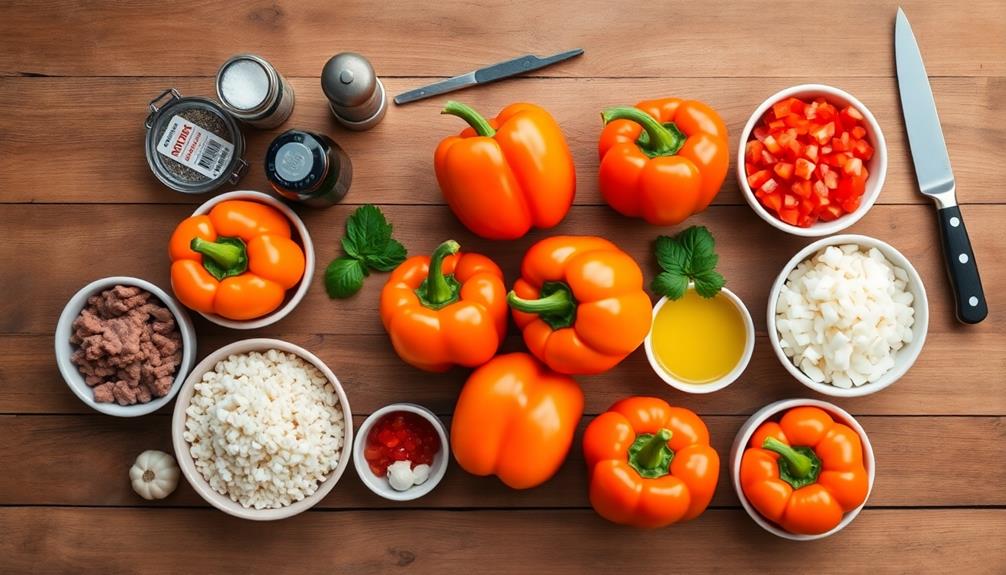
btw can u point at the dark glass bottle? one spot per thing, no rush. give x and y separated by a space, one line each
308 168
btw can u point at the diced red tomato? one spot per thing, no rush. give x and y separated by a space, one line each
806 161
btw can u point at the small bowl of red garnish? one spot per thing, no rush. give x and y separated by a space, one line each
812 160
399 451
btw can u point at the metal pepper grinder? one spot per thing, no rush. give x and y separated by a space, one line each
354 92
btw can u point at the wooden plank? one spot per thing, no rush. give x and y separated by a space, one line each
727 541
94 127
75 244
921 462
716 38
374 376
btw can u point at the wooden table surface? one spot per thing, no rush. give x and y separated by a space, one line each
79 203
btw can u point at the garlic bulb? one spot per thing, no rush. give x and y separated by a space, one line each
154 474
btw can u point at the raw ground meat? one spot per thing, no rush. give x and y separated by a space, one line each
128 346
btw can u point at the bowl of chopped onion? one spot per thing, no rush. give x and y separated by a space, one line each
848 315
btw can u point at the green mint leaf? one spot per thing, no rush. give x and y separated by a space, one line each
343 277
671 256
367 232
709 283
702 263
697 242
393 255
669 284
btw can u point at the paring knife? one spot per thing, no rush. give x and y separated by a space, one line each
936 179
485 75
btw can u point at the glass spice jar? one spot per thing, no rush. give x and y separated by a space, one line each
308 168
253 91
192 144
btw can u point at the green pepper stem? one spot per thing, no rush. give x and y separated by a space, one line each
224 255
800 466
438 289
652 452
558 302
468 114
662 141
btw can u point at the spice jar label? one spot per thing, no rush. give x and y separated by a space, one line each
195 147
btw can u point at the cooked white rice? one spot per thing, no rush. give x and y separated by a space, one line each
264 429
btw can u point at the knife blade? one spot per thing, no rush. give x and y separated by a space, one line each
935 176
492 73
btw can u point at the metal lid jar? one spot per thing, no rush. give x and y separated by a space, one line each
253 91
192 144
308 168
355 93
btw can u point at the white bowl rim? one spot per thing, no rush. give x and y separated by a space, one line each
743 437
184 457
875 183
378 486
71 375
919 330
729 378
306 244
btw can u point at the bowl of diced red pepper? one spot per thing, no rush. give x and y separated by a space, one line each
812 160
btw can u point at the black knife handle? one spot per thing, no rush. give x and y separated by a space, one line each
962 267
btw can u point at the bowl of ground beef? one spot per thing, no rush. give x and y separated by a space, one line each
124 346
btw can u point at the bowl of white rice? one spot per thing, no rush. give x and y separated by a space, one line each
261 429
848 315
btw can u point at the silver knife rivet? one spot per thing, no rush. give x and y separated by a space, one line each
963 258
955 221
973 300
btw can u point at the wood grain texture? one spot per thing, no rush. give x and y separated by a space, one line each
107 240
50 117
917 466
713 38
724 541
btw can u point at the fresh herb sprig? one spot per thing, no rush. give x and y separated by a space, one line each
369 246
688 256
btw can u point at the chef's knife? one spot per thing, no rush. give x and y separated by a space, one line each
936 179
485 75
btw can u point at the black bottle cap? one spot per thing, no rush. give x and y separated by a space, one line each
296 161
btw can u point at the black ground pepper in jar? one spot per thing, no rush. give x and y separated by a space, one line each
193 145
308 168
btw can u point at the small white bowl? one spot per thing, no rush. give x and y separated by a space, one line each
767 413
877 164
64 349
380 485
904 357
305 242
723 381
188 466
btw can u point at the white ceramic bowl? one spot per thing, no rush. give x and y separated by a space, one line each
877 164
380 485
64 349
188 466
719 384
904 357
770 412
301 235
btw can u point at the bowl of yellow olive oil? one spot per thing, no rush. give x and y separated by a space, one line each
698 344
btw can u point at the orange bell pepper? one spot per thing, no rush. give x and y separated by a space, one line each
805 471
662 160
236 262
580 303
446 309
502 176
515 419
650 464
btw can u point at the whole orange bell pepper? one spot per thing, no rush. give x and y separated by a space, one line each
650 464
502 176
515 419
805 471
580 303
446 309
237 261
662 160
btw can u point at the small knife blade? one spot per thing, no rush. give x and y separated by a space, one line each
492 73
935 176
